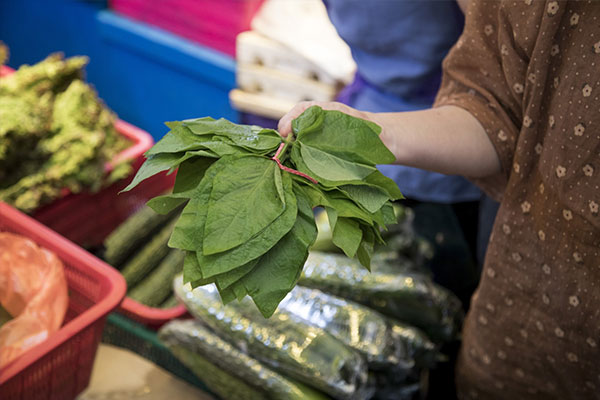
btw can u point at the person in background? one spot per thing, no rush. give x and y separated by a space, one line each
398 47
516 113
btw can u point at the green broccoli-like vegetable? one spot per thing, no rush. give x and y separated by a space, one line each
55 134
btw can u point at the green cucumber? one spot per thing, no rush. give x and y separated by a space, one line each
218 381
131 234
170 302
158 285
289 345
148 257
409 297
198 342
385 343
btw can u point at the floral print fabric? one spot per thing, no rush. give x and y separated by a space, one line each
529 71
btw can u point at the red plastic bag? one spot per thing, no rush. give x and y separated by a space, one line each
33 289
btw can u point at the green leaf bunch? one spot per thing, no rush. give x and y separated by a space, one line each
55 134
249 194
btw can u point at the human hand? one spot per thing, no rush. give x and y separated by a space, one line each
285 123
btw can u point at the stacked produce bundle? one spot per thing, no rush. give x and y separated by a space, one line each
292 347
138 248
226 370
334 345
55 134
231 347
406 295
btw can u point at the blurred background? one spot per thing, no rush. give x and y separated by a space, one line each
161 60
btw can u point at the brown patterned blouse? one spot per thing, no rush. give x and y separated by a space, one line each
529 71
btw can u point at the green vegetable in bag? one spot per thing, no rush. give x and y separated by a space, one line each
289 345
149 256
190 339
156 286
385 343
411 298
219 381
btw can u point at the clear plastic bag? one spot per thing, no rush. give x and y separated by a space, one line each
33 289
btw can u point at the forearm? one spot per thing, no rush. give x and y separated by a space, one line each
446 139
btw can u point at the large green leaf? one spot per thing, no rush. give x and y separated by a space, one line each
389 214
239 209
387 184
247 136
189 229
298 162
279 269
189 175
155 164
315 196
179 139
258 139
237 290
347 208
311 120
222 147
226 279
210 126
371 197
328 166
165 204
347 137
191 269
347 235
215 264
365 249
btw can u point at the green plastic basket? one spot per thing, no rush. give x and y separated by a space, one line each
123 332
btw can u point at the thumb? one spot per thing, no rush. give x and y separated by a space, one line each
285 123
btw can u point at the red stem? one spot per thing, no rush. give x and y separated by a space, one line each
290 170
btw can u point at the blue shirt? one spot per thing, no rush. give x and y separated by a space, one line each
398 47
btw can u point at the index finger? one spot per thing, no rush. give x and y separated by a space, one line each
285 123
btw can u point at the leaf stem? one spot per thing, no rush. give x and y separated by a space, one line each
283 149
277 158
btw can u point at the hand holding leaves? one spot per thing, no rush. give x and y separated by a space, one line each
248 223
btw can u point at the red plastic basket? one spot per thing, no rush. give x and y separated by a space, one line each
60 367
151 317
214 23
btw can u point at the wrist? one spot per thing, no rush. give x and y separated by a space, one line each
386 135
